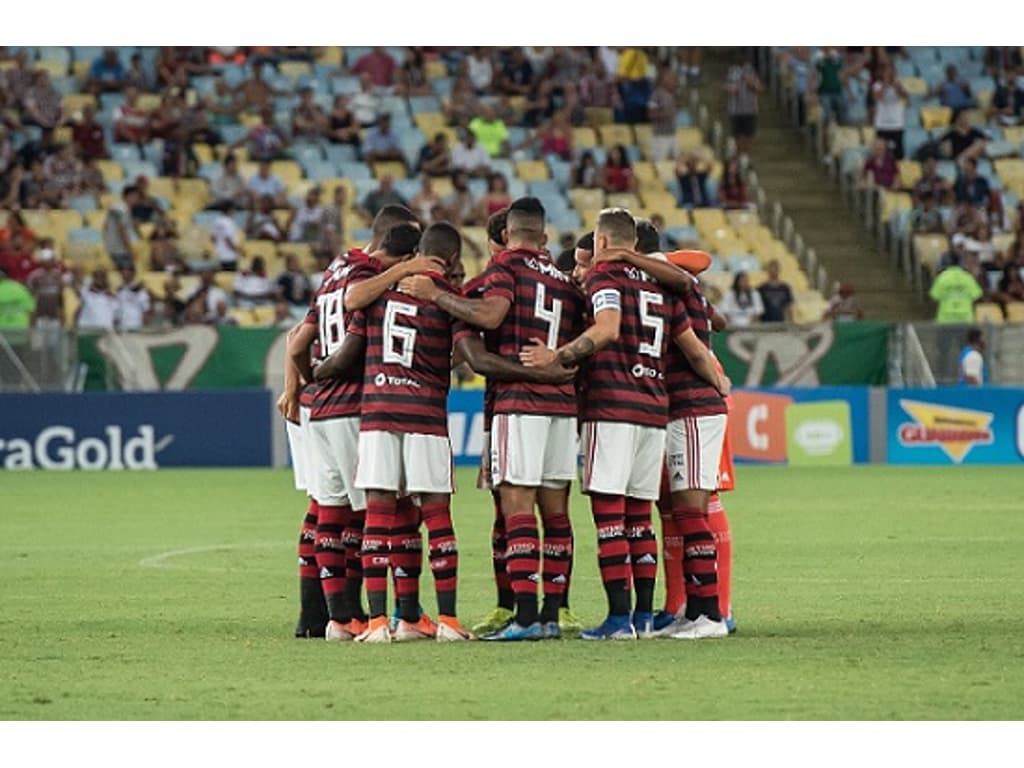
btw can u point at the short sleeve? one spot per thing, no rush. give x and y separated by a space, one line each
356 324
603 292
499 281
679 320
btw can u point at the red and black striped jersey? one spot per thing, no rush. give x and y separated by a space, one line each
336 398
688 393
625 381
545 305
474 289
408 364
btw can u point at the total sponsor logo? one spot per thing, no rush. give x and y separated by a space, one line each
60 447
382 379
641 371
955 430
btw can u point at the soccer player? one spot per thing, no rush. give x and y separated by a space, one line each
525 297
624 414
404 446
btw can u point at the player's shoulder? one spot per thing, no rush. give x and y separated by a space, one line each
475 287
442 282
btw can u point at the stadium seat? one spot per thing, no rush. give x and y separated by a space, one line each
689 138
583 138
587 199
532 170
935 117
1015 312
709 219
614 134
929 249
988 312
393 169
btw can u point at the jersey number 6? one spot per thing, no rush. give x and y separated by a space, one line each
399 340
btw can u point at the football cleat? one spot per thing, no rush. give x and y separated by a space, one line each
730 624
338 632
449 630
643 623
663 619
701 628
376 632
492 622
568 622
551 630
513 632
612 628
406 631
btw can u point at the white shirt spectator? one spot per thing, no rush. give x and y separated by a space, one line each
99 310
214 296
468 159
132 305
305 217
226 240
609 57
742 315
253 290
889 107
480 71
270 186
365 107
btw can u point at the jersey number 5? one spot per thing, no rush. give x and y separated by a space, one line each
399 340
654 322
553 315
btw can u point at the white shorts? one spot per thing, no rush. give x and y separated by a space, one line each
336 443
406 463
622 459
298 453
309 469
533 451
693 452
483 477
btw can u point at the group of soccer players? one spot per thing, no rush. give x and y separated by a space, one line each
610 353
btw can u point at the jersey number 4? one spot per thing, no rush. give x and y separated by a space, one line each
649 299
553 316
399 340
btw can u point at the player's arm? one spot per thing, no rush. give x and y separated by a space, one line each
676 279
701 361
472 350
347 360
288 402
487 313
718 320
362 294
298 349
604 331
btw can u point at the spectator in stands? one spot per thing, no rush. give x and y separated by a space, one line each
1008 100
261 224
962 140
47 286
1011 286
341 124
32 191
732 190
742 305
16 304
662 110
617 175
41 105
426 199
460 206
16 258
692 179
163 245
366 104
469 156
572 105
461 105
967 219
146 208
689 63
224 103
926 218
1002 59
98 308
164 120
227 238
376 199
743 86
831 81
969 186
119 228
596 88
257 94
107 73
435 159
587 174
131 122
381 144
517 75
495 198
843 306
634 85
955 290
555 137
931 183
90 180
136 76
293 284
265 140
412 77
267 184
378 65
305 223
880 168
16 225
174 66
776 296
955 92
479 69
540 104
229 186
889 98
252 287
308 121
209 303
88 136
62 171
539 56
20 78
490 131
133 305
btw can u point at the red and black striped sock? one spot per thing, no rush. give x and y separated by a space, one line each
307 543
612 549
352 537
699 562
380 516
443 552
312 607
407 560
506 597
330 558
643 552
522 559
557 561
568 574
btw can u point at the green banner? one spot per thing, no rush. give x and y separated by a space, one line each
818 434
806 356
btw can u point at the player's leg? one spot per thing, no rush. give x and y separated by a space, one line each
345 444
568 623
506 598
313 608
672 560
554 515
607 458
719 522
643 488
429 472
406 567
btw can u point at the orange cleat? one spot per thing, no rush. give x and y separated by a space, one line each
449 630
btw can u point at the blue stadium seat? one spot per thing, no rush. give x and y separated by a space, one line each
205 218
363 187
905 68
396 105
87 53
922 54
560 170
355 52
982 83
684 119
110 101
1000 149
442 87
477 187
504 167
633 153
516 188
319 170
565 220
341 153
65 85
682 234
345 85
419 104
544 187
305 152
354 171
712 187
913 138
407 188
210 171
933 73
83 203
946 169
124 153
233 133
203 84
742 262
137 168
85 235
234 74
153 151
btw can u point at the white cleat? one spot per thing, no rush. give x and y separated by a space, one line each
379 635
447 633
337 632
406 632
701 628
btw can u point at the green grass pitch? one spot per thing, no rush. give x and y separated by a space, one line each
861 593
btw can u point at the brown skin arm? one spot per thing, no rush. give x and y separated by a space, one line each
672 277
348 359
485 313
365 292
298 349
702 362
718 320
497 368
603 332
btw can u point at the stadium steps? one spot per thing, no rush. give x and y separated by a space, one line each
789 174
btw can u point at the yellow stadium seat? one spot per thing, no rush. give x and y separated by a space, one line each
192 194
162 186
249 119
623 200
613 134
935 117
85 255
666 169
1015 312
976 117
719 281
111 170
392 168
225 280
247 169
587 198
80 70
63 134
517 104
264 316
294 69
709 219
645 171
331 54
805 312
204 152
867 135
1009 167
1013 133
149 102
302 251
796 279
74 102
243 317
6 65
584 137
757 277
71 304
435 69
741 217
52 67
675 217
843 138
753 234
916 86
643 133
660 200
429 122
589 217
689 138
95 219
532 170
597 116
988 312
910 173
893 202
478 237
287 170
66 219
929 248
653 186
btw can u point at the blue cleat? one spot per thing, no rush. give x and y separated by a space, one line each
663 620
612 628
643 624
513 632
730 624
551 630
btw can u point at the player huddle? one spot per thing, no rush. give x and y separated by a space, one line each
610 355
